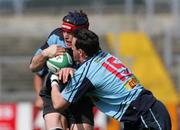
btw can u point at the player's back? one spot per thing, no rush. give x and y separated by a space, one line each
114 84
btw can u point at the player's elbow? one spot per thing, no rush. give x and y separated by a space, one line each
60 105
35 67
57 107
32 68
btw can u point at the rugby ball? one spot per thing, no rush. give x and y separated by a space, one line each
56 63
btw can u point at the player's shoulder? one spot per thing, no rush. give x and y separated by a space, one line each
58 32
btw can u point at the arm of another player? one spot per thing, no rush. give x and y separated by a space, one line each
38 83
38 61
59 102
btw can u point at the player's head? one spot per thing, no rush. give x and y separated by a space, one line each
74 20
85 43
71 22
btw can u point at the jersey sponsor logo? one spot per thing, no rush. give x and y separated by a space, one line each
131 83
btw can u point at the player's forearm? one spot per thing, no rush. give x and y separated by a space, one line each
38 83
38 62
59 102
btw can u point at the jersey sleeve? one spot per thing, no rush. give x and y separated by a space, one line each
78 86
55 37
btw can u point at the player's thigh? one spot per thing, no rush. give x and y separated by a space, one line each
52 117
64 122
83 126
53 120
160 116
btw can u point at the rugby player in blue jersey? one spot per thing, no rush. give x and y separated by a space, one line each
112 87
79 116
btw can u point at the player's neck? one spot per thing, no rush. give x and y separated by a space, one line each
83 58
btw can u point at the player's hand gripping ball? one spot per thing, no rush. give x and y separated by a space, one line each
56 63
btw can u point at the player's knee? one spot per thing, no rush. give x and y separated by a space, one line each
55 129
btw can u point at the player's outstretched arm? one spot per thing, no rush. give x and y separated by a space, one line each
59 102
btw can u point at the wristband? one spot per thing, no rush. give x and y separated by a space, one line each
54 80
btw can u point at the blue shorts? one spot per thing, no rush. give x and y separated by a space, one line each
155 118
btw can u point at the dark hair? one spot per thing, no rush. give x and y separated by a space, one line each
87 40
76 18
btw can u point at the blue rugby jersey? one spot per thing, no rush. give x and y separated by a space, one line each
110 84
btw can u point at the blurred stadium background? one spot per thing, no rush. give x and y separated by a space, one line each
145 34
